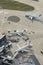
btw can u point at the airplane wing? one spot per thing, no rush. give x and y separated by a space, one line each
22 48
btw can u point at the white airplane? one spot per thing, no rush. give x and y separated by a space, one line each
7 57
22 49
32 16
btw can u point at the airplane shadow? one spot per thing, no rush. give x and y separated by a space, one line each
38 20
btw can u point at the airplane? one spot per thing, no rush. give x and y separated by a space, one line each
7 60
22 49
32 16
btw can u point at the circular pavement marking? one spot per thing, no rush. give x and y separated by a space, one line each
13 18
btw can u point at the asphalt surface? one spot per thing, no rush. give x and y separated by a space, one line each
13 18
26 61
35 60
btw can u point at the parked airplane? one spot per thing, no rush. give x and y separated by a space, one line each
32 16
6 60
